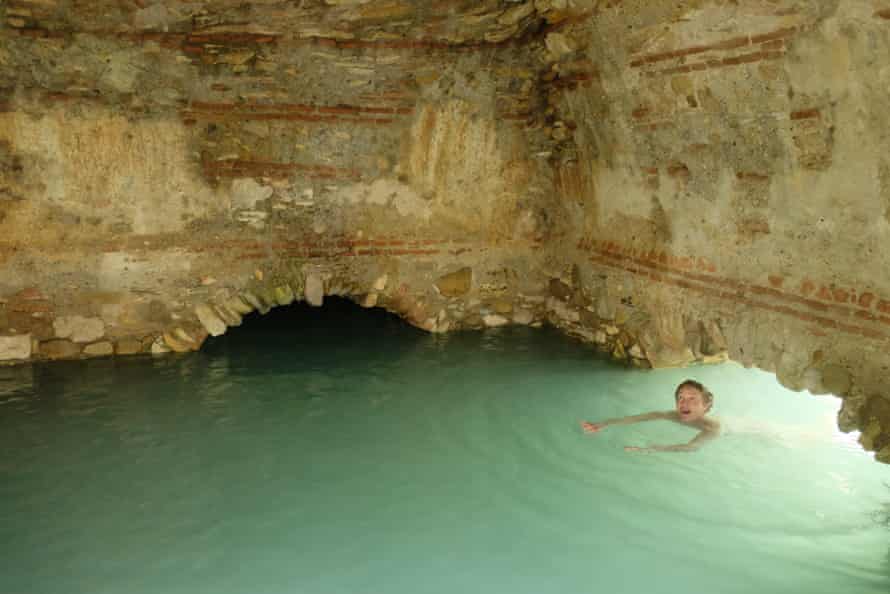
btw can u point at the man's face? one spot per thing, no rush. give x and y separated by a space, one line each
691 404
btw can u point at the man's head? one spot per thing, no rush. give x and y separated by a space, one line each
693 401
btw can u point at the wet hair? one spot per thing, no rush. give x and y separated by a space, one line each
705 393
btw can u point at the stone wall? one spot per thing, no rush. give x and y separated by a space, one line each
726 180
674 181
170 166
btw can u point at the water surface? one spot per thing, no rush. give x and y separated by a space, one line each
343 452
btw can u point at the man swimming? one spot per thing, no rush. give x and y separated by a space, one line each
693 401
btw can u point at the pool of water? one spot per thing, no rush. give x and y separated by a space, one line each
340 451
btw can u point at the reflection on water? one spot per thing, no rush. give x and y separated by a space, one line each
344 452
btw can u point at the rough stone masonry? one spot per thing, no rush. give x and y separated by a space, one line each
674 181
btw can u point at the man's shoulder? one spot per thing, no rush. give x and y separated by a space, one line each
711 424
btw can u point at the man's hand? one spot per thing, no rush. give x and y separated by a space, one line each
592 427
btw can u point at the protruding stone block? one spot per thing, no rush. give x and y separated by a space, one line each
79 328
502 306
181 341
15 347
210 320
851 411
494 320
835 379
524 317
239 305
159 347
255 301
59 349
713 340
455 283
380 283
829 379
563 311
284 295
558 45
246 192
314 290
99 349
266 295
128 346
811 380
667 357
559 289
605 307
230 317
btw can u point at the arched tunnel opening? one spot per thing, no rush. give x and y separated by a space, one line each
337 326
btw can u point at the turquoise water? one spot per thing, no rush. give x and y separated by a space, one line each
346 453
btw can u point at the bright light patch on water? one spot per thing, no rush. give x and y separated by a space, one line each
350 454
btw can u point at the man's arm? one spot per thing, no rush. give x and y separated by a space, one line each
711 431
590 427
